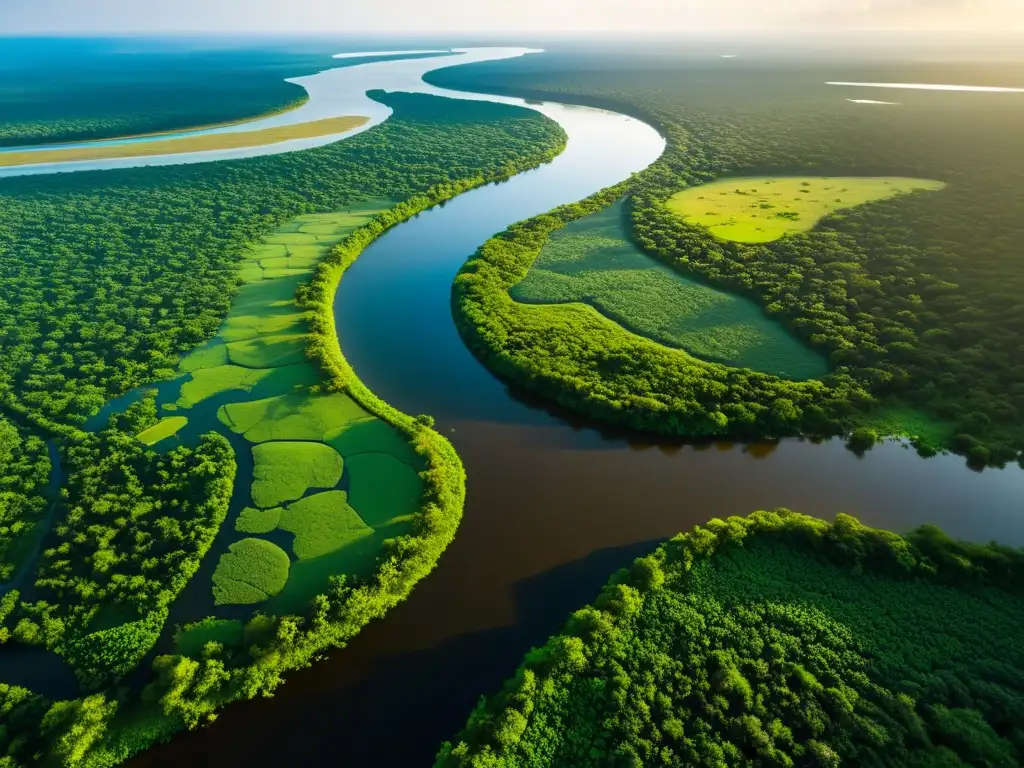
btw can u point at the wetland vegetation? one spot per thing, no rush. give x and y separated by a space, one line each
150 263
775 639
912 300
592 261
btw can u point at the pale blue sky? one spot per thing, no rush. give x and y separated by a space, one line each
556 16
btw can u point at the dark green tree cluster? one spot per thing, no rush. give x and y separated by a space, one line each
776 640
134 526
914 300
24 471
39 732
105 277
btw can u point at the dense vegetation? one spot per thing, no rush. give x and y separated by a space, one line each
914 300
142 268
593 261
779 640
24 471
135 527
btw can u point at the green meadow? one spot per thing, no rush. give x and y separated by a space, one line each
592 261
166 427
759 209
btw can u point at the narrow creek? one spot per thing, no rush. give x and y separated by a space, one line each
554 503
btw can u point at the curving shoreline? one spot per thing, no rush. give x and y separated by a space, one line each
332 93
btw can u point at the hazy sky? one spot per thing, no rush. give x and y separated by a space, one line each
664 16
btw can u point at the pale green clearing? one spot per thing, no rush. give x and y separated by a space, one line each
382 488
249 572
592 261
373 436
283 472
207 382
191 640
252 520
292 417
207 356
268 351
759 209
262 382
166 427
322 523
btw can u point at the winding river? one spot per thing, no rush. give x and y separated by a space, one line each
554 504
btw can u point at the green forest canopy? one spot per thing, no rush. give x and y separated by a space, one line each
775 639
915 300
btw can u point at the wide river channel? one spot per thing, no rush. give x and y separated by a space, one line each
554 504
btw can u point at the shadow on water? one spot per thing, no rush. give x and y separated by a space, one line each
422 693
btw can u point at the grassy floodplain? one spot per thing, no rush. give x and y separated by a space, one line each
592 261
213 141
296 431
776 639
759 209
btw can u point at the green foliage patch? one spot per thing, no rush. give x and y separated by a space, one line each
376 436
322 523
249 572
383 488
283 472
776 639
24 472
123 553
192 639
592 261
255 520
166 427
292 417
752 209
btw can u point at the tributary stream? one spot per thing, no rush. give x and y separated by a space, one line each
554 504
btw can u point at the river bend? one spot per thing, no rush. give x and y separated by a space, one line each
554 504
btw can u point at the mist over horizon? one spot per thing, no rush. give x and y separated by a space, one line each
558 17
